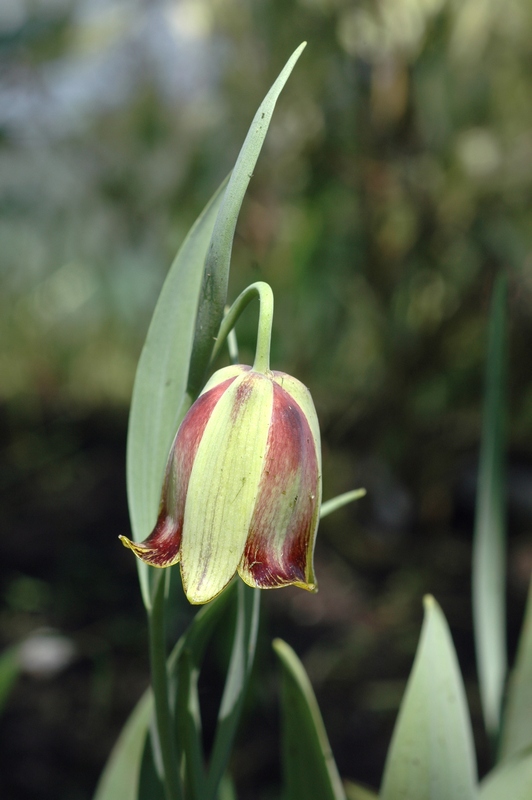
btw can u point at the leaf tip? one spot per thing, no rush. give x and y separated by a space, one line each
429 603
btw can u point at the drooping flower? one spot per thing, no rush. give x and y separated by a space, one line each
242 490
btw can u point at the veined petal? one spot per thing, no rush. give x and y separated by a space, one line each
162 547
303 398
280 544
223 486
223 374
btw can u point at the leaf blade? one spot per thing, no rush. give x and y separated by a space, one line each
489 539
160 380
510 781
214 289
517 719
431 756
240 666
120 777
308 763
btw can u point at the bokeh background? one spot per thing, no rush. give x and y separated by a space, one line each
394 184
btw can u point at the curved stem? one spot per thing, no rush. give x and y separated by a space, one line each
264 293
159 681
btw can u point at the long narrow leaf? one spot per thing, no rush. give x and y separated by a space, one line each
189 727
354 791
308 763
9 671
517 719
214 289
489 545
511 781
240 666
161 377
120 777
431 756
187 700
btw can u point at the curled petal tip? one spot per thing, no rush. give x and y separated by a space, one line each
155 556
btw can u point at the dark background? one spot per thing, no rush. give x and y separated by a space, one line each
394 184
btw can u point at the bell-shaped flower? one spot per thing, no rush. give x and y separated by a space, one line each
242 490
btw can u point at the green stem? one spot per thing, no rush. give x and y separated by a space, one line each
264 293
159 681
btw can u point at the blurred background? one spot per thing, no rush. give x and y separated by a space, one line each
394 184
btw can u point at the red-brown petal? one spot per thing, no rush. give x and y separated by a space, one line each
161 548
279 548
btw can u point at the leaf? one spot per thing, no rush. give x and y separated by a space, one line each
214 289
227 789
510 781
187 700
240 666
431 756
126 768
160 381
353 791
340 500
517 719
9 671
489 542
120 777
308 763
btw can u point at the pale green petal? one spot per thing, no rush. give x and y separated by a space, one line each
223 374
223 486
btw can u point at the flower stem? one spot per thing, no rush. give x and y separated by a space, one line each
159 681
264 293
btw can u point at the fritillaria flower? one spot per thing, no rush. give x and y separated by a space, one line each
242 489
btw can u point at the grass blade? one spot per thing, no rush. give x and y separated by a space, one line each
489 542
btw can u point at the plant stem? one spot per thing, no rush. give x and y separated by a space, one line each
264 293
159 681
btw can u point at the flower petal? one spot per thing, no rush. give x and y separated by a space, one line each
162 547
223 486
280 545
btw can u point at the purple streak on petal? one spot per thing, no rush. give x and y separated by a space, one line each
289 484
161 548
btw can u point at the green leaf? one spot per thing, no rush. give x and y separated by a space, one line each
431 756
187 700
510 781
151 785
214 289
517 719
308 763
240 666
353 791
489 543
9 671
227 789
339 501
123 776
120 777
158 400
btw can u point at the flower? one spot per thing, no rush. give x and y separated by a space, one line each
242 489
